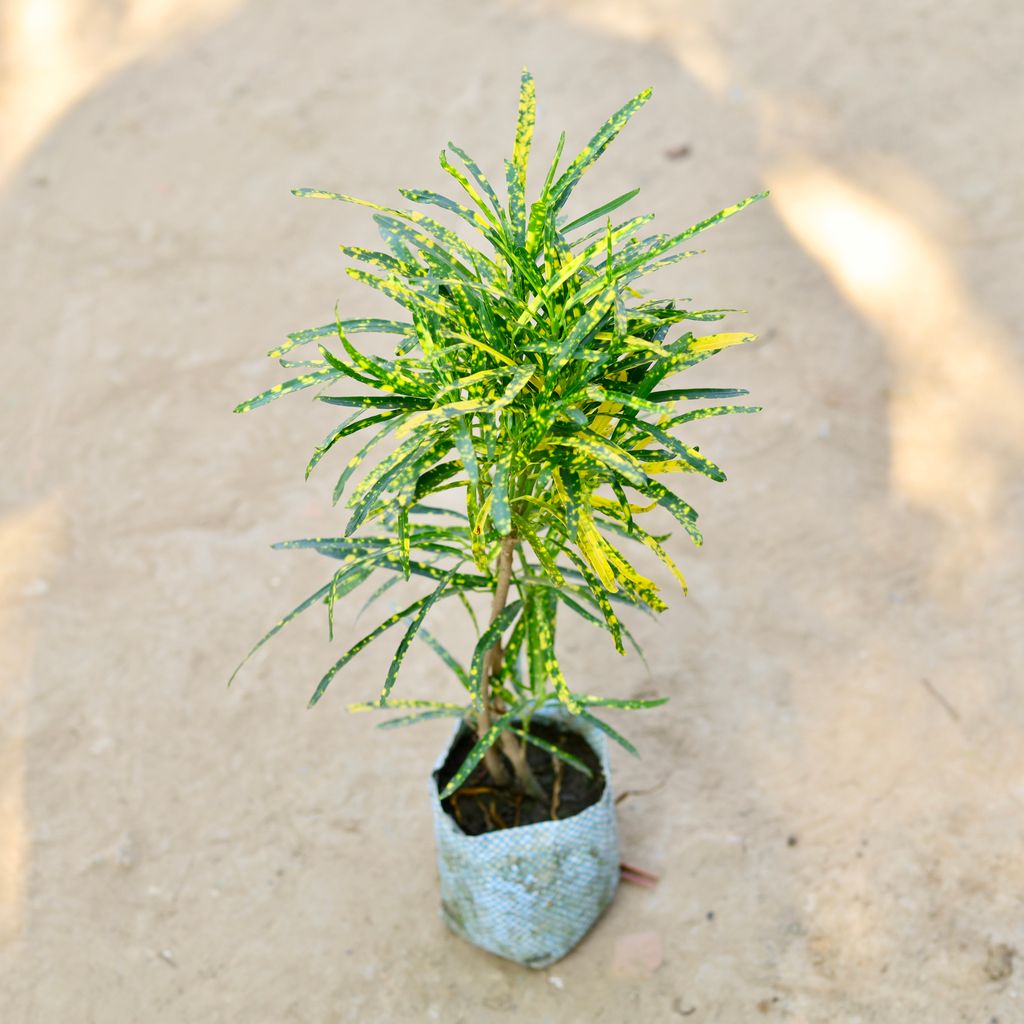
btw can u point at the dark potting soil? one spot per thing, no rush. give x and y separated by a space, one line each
480 806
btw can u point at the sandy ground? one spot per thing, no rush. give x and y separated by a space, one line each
840 817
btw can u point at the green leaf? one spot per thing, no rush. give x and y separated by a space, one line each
382 374
612 702
627 401
535 230
711 410
422 716
592 151
696 393
362 644
382 559
378 259
524 125
479 178
683 513
535 604
467 452
547 563
366 324
584 326
434 480
374 401
601 211
607 453
501 514
294 613
517 215
446 656
307 380
402 703
346 579
689 455
344 430
418 195
410 633
474 380
377 477
600 596
388 584
609 731
562 755
487 640
520 378
356 460
441 413
674 240
637 533
402 529
552 668
475 756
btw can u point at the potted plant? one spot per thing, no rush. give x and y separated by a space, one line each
527 421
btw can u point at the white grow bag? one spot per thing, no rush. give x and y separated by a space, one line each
530 893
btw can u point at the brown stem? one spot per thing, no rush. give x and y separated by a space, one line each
514 750
493 660
556 789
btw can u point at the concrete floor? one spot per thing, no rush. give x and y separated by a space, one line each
837 786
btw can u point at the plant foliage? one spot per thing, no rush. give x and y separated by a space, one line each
530 378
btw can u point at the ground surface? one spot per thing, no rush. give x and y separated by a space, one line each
839 817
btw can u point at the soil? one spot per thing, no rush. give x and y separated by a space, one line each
480 805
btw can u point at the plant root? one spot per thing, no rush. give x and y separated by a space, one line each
556 789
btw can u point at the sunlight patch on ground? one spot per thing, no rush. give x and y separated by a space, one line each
954 410
53 52
688 36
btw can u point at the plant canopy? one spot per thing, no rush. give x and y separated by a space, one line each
530 378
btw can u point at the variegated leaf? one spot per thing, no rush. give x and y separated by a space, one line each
307 380
550 748
476 755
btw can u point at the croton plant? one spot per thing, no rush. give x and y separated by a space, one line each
516 436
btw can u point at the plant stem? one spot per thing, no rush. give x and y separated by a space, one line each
484 720
514 750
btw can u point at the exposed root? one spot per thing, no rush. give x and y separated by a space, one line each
556 788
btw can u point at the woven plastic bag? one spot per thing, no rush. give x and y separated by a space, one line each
531 893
